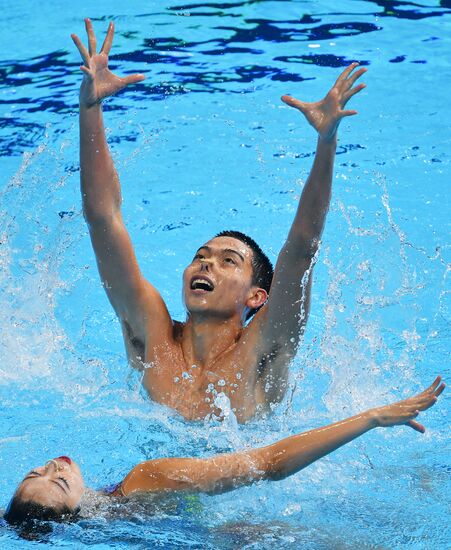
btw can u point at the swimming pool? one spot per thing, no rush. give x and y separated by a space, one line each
202 145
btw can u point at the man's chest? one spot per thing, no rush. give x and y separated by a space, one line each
197 391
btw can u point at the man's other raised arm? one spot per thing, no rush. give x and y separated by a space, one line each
130 294
283 319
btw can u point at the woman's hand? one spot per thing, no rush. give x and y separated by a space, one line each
403 412
325 115
99 82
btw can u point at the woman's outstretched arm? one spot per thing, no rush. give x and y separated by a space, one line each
228 471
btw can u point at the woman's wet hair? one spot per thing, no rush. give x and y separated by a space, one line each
262 269
20 512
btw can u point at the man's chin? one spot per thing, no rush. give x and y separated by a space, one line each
198 300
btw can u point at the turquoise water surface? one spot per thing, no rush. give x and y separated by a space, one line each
204 144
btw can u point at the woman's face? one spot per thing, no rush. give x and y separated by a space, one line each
57 484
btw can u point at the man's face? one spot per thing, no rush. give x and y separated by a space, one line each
57 484
218 281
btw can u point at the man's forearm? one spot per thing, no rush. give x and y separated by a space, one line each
325 117
99 182
315 198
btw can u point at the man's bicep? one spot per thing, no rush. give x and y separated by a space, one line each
280 325
286 311
129 293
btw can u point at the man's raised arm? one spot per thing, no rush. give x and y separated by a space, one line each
283 318
129 293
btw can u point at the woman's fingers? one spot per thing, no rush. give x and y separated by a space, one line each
425 403
416 426
83 51
428 397
404 412
439 390
433 386
106 46
436 386
92 42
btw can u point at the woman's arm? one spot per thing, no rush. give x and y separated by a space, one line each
228 471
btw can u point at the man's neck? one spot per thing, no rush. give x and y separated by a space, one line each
205 340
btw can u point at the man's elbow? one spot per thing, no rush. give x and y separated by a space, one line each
302 247
98 215
309 248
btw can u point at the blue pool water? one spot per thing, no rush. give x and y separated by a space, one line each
202 145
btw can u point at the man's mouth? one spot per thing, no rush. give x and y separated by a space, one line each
201 283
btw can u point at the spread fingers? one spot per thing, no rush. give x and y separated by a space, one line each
347 96
292 102
92 42
83 51
350 81
344 75
106 47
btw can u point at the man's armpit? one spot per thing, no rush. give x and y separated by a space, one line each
136 344
273 373
266 359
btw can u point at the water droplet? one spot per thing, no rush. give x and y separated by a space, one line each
238 375
221 383
176 379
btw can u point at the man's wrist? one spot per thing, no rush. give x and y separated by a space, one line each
328 140
89 105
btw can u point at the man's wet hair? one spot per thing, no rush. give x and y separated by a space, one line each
21 512
262 270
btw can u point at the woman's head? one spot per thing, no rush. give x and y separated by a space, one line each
49 492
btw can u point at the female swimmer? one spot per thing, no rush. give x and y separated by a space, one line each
54 491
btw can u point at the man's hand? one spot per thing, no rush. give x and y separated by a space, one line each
99 82
403 412
325 115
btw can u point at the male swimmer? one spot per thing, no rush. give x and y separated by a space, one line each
54 491
229 281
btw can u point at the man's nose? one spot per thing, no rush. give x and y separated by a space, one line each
205 264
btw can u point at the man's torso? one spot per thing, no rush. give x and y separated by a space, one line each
197 391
